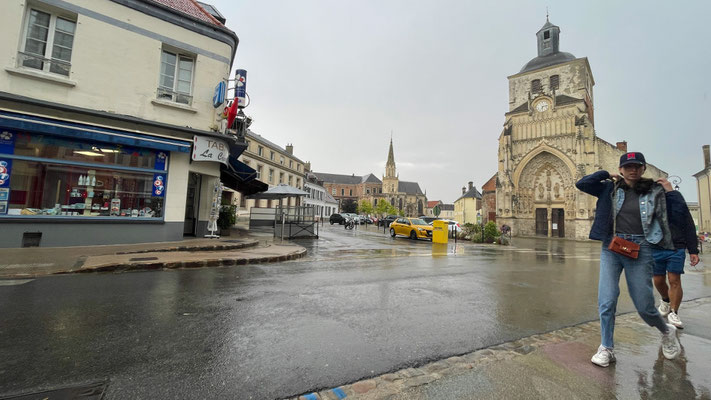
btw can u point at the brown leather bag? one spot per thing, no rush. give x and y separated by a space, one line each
624 247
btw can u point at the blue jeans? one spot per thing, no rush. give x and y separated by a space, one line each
638 273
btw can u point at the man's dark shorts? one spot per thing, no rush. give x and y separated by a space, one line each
668 261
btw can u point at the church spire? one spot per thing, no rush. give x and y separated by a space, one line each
390 165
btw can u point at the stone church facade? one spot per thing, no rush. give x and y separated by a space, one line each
549 142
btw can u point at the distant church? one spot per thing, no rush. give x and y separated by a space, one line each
404 195
549 142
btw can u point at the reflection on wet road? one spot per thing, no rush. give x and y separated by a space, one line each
360 304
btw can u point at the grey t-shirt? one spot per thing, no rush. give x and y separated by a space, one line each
628 219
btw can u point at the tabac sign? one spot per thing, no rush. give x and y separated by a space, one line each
210 149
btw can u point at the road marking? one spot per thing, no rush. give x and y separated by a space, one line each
14 282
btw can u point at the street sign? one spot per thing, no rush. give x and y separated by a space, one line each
436 210
219 97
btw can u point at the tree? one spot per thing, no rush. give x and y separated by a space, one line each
364 207
382 208
349 206
491 232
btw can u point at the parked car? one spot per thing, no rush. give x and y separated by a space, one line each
366 219
387 220
452 225
428 219
336 219
414 228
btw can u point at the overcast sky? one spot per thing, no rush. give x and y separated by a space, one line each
335 78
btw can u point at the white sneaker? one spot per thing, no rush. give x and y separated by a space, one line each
664 308
670 344
674 320
603 357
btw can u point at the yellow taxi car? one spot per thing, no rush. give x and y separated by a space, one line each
413 227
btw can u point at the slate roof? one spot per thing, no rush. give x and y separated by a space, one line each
370 178
339 179
329 199
190 8
409 187
561 100
271 145
471 193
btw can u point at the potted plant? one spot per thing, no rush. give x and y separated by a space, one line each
227 218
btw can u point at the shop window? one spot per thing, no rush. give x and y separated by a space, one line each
176 77
48 42
52 189
42 175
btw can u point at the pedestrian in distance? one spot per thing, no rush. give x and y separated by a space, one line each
670 263
631 215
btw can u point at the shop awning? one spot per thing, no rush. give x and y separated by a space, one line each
56 127
241 177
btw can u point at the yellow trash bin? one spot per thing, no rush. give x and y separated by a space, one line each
440 231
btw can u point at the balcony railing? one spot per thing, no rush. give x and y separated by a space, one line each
52 65
171 95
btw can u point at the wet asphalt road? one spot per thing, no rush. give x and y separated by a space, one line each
360 304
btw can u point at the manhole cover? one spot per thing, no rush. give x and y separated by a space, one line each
143 259
89 391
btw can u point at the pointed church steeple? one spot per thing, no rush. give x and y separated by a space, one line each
390 165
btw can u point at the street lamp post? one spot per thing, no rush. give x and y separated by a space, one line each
675 180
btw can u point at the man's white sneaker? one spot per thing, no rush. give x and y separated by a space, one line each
674 320
670 344
603 357
664 308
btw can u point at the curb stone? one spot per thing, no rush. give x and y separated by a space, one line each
215 262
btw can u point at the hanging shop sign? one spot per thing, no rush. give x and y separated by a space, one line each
219 97
209 149
241 87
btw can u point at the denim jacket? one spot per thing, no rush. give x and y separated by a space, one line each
610 197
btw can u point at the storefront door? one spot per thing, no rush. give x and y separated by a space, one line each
192 204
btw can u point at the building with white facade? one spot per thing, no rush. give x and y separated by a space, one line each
101 102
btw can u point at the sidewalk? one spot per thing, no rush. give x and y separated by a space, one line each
556 365
237 249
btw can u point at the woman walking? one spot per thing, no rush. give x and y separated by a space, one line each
631 212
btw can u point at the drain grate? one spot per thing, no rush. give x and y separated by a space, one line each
89 391
143 259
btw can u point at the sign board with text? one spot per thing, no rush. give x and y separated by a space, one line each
210 149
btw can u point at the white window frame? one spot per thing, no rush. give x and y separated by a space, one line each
172 94
46 58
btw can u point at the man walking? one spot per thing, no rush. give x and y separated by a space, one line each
670 263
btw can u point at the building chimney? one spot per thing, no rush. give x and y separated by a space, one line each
307 166
622 146
290 149
464 190
707 156
470 185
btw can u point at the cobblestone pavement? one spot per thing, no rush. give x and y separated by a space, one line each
556 365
